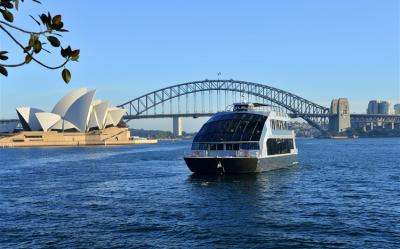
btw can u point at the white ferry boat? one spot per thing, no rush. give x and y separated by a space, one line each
251 138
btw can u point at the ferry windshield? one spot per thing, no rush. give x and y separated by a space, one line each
232 127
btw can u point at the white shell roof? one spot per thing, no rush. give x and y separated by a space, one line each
47 119
28 114
64 104
101 113
78 112
63 125
116 114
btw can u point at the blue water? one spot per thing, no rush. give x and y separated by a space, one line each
343 194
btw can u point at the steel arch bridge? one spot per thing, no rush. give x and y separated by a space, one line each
192 95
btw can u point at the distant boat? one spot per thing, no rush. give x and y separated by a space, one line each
339 137
251 138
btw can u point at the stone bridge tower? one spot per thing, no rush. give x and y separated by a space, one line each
340 119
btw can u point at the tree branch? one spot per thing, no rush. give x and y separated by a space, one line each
13 65
24 31
33 58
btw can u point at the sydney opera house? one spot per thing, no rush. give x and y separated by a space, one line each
78 111
76 120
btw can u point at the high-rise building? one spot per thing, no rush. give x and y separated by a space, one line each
379 107
397 109
385 107
373 107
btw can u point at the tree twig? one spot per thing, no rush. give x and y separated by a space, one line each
13 65
23 30
33 58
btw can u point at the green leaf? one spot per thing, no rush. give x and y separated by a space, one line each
53 41
66 52
31 42
27 49
6 4
56 23
44 19
3 71
66 75
63 53
8 16
28 58
3 57
75 58
37 46
16 4
3 52
75 53
57 19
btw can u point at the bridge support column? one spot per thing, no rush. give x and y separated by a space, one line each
340 120
177 126
372 126
364 128
392 125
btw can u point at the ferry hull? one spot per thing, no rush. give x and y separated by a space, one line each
238 165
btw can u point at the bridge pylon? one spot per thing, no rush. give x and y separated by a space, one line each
177 126
339 120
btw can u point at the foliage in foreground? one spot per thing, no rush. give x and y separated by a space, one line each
49 33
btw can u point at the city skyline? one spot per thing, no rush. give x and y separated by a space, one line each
302 47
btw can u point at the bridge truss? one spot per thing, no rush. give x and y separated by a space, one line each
203 98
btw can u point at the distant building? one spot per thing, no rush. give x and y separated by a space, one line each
8 125
397 109
380 107
373 107
385 107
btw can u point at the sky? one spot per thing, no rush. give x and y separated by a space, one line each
319 50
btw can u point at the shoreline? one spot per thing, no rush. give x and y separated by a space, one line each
106 137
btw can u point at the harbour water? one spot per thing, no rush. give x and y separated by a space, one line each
343 194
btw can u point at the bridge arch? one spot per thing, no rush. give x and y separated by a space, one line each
309 111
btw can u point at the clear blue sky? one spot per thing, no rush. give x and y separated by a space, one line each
317 49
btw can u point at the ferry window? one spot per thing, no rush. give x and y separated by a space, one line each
250 146
213 147
232 127
240 129
244 146
203 146
229 146
257 131
279 146
235 146
279 125
220 147
195 146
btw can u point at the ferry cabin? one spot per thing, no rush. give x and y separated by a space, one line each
245 134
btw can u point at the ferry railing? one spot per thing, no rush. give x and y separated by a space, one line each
225 153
